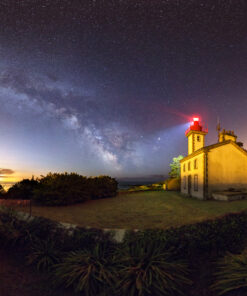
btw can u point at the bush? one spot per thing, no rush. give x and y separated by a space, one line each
142 261
23 189
157 186
87 238
65 189
44 254
232 274
208 237
147 270
93 266
102 187
2 192
89 271
41 228
62 189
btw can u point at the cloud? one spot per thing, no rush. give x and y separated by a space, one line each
6 172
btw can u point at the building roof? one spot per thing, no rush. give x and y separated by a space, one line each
213 146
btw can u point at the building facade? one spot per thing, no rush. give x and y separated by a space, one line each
209 169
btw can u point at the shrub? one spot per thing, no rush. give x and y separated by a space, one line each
87 238
232 274
8 235
62 189
41 228
65 189
89 271
208 237
44 254
103 186
2 192
12 232
157 186
7 215
18 233
143 260
23 189
147 270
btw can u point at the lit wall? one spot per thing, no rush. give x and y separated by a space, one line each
227 168
188 168
196 140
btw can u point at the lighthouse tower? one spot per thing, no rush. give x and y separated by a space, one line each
196 135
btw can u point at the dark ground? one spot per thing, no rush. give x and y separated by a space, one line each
19 280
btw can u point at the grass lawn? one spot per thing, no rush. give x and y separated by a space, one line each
153 209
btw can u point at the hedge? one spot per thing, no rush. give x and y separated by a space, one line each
63 189
210 237
174 251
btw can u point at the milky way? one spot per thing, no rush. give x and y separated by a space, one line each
107 87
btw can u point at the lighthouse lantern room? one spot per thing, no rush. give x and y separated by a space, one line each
196 135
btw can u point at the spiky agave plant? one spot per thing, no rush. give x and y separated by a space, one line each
231 274
44 254
145 269
92 272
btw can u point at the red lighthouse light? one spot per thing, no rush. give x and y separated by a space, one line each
196 126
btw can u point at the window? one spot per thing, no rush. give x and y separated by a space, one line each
195 182
184 167
198 139
189 166
184 182
195 164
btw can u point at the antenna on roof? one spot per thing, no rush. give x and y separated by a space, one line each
218 128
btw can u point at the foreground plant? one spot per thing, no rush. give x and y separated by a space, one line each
13 232
89 271
232 274
147 270
44 254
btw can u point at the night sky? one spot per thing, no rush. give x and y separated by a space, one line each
108 87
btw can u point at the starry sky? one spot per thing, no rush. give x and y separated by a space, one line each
108 87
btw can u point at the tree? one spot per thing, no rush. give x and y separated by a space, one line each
23 189
175 167
2 191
